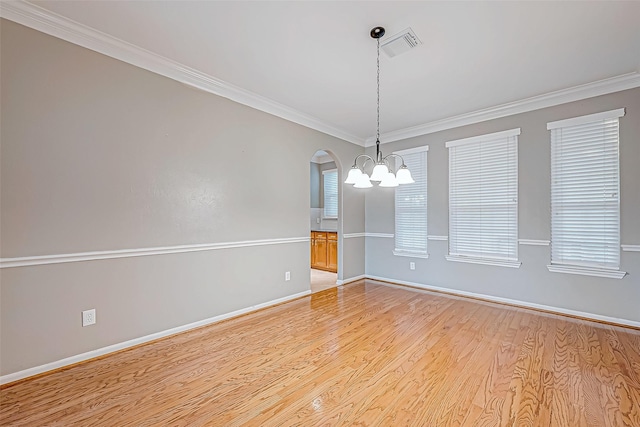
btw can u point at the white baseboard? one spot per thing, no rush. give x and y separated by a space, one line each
350 279
9 378
16 376
519 303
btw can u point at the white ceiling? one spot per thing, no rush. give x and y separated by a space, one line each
318 58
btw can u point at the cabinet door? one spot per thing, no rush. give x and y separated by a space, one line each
313 250
332 250
321 252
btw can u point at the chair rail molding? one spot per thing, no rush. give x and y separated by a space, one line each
532 242
127 253
380 235
352 235
367 234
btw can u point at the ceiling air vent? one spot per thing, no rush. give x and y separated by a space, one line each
400 43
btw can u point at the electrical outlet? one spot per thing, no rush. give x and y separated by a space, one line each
89 317
287 276
412 266
317 220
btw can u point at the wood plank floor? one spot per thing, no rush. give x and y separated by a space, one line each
360 355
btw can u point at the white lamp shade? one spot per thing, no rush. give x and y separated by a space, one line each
389 180
354 173
404 176
379 172
363 181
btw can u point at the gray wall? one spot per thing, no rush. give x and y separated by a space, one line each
532 282
98 155
325 167
317 182
314 185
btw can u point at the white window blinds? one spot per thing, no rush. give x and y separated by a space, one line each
411 206
330 187
483 198
585 202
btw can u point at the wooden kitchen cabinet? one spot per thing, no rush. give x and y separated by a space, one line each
324 251
332 252
319 250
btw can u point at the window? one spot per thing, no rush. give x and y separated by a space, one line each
411 206
483 199
585 202
330 186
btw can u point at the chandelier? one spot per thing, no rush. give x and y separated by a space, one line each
382 171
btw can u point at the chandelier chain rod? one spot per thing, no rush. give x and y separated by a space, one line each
382 170
378 103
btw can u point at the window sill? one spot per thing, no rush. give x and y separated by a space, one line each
485 261
585 271
410 254
330 217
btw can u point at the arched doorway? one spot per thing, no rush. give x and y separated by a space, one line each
324 218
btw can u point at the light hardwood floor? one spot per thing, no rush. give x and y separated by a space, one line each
364 354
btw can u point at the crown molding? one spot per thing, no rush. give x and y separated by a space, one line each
45 21
563 96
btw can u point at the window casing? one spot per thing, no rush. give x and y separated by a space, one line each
585 195
330 189
411 206
483 199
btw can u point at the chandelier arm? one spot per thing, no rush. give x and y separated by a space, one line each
366 156
394 155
